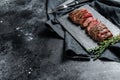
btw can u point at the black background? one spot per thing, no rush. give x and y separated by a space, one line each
42 57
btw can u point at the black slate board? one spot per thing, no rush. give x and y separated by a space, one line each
80 34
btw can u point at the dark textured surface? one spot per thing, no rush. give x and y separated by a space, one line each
40 56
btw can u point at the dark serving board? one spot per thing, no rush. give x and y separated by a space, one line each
80 34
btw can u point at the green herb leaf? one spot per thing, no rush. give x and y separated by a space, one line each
97 52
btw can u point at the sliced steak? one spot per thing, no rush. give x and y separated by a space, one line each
97 30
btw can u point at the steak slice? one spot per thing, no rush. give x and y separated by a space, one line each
106 35
93 23
86 15
76 16
87 21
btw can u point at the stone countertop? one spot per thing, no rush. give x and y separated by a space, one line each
29 51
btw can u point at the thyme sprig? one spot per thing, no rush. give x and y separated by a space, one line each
97 51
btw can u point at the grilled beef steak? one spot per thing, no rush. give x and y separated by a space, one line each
97 30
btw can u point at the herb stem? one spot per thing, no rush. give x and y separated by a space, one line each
97 52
